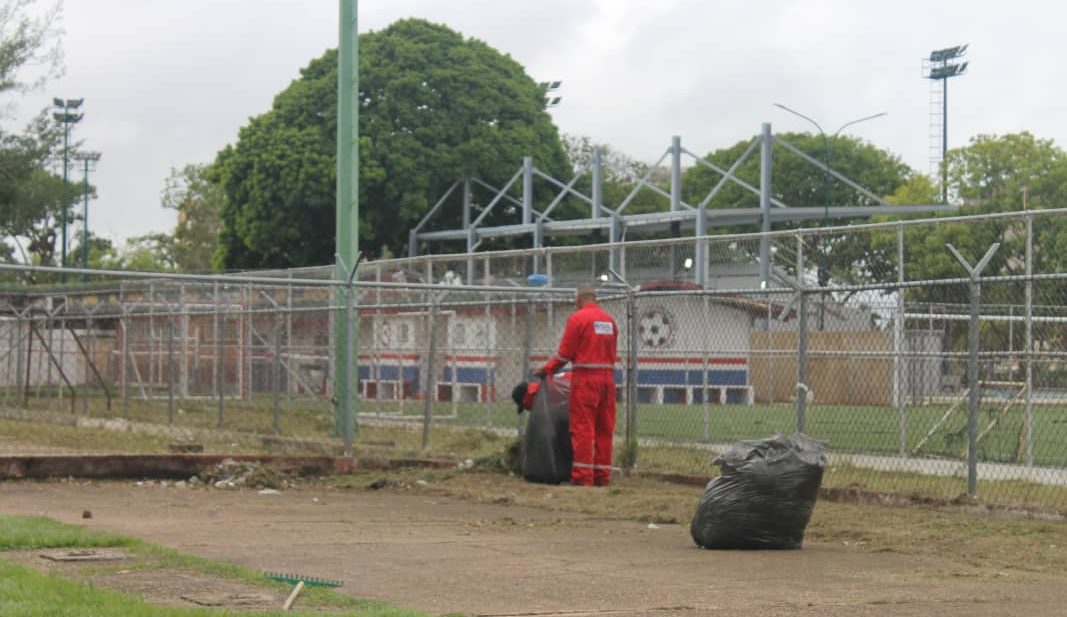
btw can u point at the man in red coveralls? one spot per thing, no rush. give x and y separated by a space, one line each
589 345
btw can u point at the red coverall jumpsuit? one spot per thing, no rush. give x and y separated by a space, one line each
589 344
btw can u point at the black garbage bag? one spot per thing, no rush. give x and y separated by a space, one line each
764 497
547 455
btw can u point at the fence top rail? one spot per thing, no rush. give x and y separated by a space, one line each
252 279
789 233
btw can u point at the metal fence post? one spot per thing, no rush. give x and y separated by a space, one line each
705 403
350 382
29 361
170 368
974 390
152 333
124 368
183 335
351 359
527 343
802 340
490 365
631 380
220 360
276 372
88 358
1028 418
18 357
289 335
974 394
898 347
248 347
431 382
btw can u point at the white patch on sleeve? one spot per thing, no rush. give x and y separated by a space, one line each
603 327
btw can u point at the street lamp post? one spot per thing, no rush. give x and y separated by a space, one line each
89 159
66 117
828 153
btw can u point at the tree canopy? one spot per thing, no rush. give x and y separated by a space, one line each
32 199
434 107
797 182
995 174
197 198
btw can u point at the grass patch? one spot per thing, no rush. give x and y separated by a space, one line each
26 592
848 428
460 432
34 532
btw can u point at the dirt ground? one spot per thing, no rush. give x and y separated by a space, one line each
426 551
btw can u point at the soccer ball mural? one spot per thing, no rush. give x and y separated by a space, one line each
656 328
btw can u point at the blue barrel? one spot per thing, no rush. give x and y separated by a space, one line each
537 280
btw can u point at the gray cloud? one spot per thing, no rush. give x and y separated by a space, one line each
168 83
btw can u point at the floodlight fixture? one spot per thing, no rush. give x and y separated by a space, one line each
947 70
941 55
550 90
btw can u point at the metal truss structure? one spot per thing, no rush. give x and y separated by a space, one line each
681 216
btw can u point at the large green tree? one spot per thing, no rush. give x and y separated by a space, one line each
434 107
995 174
31 199
197 197
28 38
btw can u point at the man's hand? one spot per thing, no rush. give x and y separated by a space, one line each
540 373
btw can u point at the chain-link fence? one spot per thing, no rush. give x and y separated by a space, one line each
925 373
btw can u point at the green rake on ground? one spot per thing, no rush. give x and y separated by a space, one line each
309 581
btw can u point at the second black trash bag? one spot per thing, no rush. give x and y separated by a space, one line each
547 455
764 497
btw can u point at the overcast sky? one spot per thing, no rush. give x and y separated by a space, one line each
170 82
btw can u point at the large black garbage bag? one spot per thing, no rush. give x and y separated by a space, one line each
764 497
547 455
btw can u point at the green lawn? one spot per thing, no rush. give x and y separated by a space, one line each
858 429
27 593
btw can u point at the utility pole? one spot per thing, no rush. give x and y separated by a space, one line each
347 209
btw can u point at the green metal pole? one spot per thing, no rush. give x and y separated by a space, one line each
347 239
85 217
944 138
66 203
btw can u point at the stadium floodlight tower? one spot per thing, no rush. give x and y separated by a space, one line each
942 65
66 116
